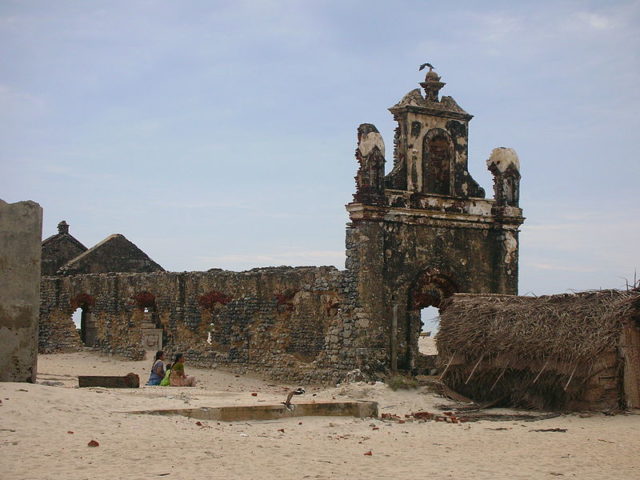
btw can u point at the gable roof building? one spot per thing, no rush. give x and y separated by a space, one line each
59 249
114 254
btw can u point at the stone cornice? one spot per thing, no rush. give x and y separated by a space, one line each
436 112
361 212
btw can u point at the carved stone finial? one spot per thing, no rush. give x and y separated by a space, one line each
503 158
63 227
505 166
432 85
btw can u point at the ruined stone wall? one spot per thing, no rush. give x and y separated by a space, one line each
292 323
365 271
469 258
20 236
408 264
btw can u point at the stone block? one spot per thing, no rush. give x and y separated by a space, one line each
131 380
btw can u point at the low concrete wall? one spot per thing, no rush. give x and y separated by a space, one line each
20 249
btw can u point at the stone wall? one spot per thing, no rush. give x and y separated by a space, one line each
292 323
20 236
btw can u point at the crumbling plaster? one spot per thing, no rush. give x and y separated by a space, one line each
20 250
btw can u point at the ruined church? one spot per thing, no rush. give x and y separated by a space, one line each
417 234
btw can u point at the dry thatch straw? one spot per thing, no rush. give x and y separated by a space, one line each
531 351
566 328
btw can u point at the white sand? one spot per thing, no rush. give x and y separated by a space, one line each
44 432
427 345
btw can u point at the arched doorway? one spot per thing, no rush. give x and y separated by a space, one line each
82 305
427 294
430 321
146 314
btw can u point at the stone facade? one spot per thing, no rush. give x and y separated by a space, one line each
429 232
416 236
20 234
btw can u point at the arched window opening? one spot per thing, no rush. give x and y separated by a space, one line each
154 334
146 303
81 317
76 316
426 296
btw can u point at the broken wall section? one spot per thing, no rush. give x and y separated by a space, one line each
290 323
20 249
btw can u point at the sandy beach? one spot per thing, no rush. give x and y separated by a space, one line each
46 428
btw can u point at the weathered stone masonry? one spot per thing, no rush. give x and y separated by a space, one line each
425 230
416 235
286 321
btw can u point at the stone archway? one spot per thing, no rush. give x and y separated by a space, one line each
430 288
152 331
88 327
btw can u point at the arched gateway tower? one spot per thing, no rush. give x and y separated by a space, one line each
425 230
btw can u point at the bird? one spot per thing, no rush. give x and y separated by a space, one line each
287 402
425 65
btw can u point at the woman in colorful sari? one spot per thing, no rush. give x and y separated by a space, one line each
157 369
178 378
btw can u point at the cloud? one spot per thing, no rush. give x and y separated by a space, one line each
594 21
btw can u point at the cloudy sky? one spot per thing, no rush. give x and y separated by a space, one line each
222 133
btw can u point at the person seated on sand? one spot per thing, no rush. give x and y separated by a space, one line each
178 378
157 369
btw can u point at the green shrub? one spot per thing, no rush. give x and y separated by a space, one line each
397 382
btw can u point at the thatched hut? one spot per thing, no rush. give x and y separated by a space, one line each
576 351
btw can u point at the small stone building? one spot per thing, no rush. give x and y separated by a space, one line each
114 254
59 249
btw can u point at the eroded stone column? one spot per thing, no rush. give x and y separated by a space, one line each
20 251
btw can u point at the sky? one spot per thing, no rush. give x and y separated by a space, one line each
221 134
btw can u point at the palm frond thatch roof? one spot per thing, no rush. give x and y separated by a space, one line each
566 328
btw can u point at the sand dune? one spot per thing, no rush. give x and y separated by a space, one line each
46 428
